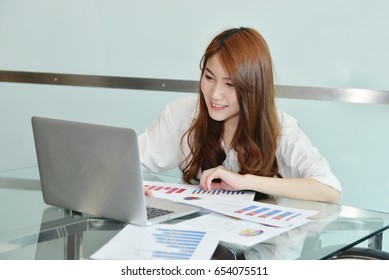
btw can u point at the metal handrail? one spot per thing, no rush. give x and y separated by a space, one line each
365 96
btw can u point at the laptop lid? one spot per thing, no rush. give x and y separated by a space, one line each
95 169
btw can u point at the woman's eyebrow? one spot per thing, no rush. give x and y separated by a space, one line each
209 70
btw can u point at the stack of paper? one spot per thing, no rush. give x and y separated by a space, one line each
236 219
235 204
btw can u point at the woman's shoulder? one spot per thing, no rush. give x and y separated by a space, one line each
181 112
286 121
185 107
186 102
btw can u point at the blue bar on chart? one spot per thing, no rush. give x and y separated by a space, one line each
257 211
294 216
175 244
251 207
283 215
271 213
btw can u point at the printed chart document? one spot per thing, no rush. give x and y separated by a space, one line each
159 242
186 192
234 231
237 204
263 213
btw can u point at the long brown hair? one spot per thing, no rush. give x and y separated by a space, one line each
246 58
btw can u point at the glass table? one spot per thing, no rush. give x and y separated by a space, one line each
30 229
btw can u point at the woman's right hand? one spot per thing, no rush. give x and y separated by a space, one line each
148 192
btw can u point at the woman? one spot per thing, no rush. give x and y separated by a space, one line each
231 136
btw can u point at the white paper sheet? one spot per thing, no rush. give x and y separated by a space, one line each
162 241
264 213
235 204
238 232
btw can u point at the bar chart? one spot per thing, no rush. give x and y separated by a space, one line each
188 192
265 212
217 192
175 244
166 189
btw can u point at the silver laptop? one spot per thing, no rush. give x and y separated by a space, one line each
96 169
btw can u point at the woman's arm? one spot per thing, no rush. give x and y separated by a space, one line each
297 188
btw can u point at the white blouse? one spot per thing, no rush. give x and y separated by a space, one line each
161 150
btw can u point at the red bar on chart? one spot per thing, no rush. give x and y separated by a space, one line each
172 190
180 190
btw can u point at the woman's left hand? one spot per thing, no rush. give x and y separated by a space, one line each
220 178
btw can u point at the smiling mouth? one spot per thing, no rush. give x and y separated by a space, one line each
217 106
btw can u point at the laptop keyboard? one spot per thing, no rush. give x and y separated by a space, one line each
153 212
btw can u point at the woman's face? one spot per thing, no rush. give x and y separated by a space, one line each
219 93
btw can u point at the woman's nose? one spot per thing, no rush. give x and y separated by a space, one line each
217 92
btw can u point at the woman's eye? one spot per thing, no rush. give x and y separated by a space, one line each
208 77
230 85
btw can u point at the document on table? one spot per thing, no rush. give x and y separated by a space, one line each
263 213
157 242
237 204
236 231
186 192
